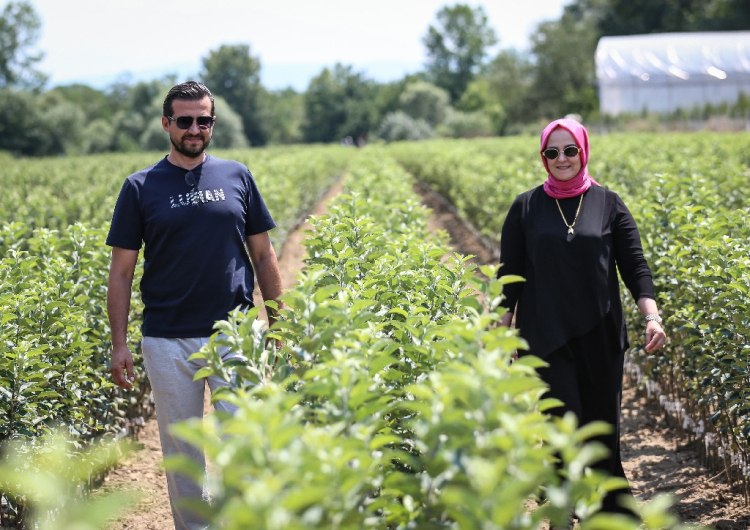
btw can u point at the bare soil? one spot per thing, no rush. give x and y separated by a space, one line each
656 457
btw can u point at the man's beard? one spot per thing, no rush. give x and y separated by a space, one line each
193 152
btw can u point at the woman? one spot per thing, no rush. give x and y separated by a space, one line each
567 238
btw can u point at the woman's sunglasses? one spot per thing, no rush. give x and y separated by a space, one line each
185 122
553 152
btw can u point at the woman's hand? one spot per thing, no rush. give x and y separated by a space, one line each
655 336
506 319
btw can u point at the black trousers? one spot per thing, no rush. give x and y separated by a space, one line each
586 375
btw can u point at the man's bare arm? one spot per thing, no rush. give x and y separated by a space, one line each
266 268
119 288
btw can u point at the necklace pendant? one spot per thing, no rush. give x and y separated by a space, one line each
570 230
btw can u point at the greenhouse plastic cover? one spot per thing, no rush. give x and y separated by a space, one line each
666 71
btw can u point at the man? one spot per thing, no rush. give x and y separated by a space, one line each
204 227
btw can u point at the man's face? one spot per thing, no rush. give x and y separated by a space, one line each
194 140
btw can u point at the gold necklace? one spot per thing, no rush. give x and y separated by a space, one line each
571 225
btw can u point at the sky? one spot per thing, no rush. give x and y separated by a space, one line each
100 41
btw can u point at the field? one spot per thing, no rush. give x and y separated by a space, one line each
393 395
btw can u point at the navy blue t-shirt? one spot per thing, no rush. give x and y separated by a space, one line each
193 225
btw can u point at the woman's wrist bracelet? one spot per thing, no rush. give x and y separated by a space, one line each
652 316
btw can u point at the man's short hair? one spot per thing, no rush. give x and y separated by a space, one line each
189 90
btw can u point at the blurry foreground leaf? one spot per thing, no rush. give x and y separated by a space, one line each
53 478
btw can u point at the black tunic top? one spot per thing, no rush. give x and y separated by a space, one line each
571 284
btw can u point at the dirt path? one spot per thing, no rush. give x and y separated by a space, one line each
656 458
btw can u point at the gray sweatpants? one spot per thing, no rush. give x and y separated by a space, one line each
178 398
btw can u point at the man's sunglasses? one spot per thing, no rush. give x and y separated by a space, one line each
553 152
185 122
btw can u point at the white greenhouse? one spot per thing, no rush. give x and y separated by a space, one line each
664 72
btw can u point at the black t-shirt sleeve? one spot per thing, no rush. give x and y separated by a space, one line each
258 218
631 263
126 230
512 253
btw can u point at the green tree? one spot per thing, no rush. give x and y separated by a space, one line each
387 95
478 100
565 72
632 17
34 124
153 137
94 103
510 77
475 97
460 124
339 103
324 111
228 132
283 113
399 126
234 74
146 97
137 123
456 47
424 101
45 124
97 136
22 130
128 130
721 15
64 122
19 31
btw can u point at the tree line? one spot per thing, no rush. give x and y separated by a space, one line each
463 91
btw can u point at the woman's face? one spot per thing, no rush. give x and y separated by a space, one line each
562 167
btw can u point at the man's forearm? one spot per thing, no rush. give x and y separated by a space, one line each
118 309
269 281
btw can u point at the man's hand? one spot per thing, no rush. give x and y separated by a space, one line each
122 367
118 306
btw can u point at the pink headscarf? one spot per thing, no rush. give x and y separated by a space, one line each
562 189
